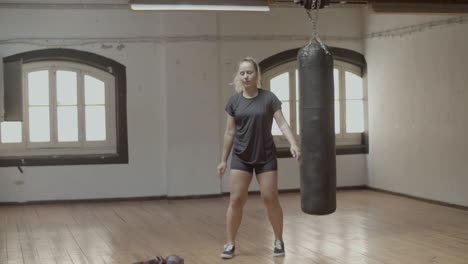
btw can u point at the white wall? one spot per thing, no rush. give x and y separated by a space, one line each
178 69
144 175
418 100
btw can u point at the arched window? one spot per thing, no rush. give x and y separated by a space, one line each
73 110
280 75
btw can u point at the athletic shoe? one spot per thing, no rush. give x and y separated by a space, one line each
228 252
278 250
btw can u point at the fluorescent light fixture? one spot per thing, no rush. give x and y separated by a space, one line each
200 5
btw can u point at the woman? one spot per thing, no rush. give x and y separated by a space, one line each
250 116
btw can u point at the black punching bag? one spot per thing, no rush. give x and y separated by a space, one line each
316 102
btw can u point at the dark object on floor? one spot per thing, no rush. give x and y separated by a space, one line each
174 259
171 259
157 260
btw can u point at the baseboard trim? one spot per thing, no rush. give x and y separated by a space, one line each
93 200
452 205
352 187
207 196
161 197
189 197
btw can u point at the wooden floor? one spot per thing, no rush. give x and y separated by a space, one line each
368 227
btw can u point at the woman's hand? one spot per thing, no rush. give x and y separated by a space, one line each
221 169
296 152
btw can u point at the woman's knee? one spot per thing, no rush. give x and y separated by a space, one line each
237 201
270 198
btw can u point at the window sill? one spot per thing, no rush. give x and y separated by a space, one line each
340 150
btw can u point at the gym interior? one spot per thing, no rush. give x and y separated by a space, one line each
137 179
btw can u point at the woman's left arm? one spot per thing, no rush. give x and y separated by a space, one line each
284 127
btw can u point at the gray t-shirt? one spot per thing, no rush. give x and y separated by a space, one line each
253 142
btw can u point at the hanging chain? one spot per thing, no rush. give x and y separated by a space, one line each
314 20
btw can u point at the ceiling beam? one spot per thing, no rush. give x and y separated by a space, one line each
418 8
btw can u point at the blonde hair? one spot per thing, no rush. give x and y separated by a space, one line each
238 86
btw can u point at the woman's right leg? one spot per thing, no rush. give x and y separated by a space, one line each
239 185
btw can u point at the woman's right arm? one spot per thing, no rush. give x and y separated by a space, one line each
229 134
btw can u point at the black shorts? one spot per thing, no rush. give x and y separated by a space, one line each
238 164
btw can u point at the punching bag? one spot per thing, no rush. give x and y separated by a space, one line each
316 102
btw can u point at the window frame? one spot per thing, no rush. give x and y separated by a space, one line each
286 67
344 138
53 146
115 150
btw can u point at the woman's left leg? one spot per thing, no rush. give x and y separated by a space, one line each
268 182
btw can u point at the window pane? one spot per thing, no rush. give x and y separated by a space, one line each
353 86
337 117
286 109
66 88
39 124
280 86
38 88
298 121
275 131
336 80
354 116
67 123
297 85
11 132
94 91
95 123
